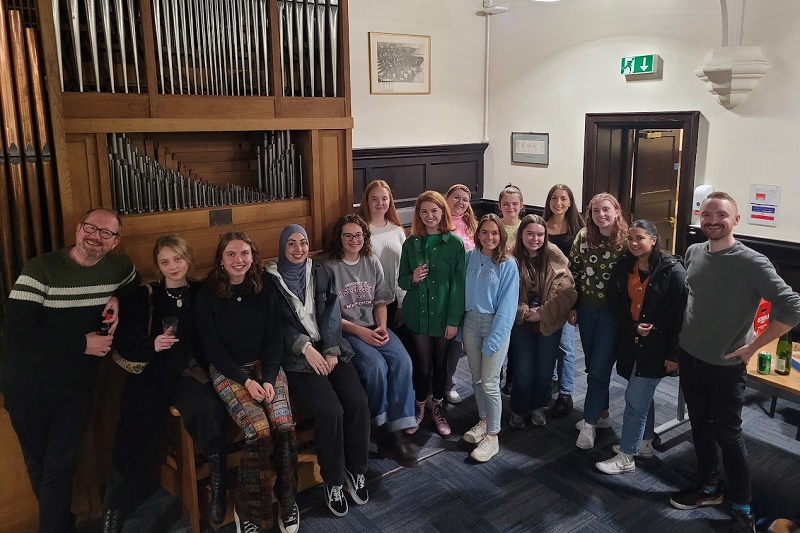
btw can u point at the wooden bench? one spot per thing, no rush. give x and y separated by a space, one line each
185 473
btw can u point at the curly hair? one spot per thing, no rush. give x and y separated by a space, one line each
469 214
619 228
218 279
335 248
499 254
445 225
391 213
177 244
572 216
531 267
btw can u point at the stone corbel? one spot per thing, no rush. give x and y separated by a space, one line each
733 70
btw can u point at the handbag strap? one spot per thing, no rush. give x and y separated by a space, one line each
150 308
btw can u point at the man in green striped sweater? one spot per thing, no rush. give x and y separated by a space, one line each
52 351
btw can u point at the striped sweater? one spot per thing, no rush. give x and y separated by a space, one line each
53 305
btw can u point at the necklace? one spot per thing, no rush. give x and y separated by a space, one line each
237 293
485 259
179 298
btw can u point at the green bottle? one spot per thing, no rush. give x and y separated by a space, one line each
783 355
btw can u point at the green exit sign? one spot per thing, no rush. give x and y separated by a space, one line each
634 65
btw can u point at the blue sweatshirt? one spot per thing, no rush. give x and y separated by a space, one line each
493 289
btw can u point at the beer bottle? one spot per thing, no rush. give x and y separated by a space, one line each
783 355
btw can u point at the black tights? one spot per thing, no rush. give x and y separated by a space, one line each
430 365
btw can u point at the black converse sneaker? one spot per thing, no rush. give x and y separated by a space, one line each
244 525
356 486
336 501
291 523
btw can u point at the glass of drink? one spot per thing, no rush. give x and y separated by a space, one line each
170 323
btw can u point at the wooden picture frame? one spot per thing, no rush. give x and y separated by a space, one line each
399 63
531 148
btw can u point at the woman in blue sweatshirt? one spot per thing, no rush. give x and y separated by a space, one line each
492 286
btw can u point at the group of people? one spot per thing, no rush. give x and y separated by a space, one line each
367 335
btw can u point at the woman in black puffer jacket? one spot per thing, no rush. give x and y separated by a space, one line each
647 296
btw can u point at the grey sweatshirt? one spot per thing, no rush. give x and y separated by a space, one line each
725 289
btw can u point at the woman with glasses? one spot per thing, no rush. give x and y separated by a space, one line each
383 364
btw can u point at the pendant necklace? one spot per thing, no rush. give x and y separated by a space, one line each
179 298
238 293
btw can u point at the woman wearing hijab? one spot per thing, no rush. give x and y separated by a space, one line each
317 363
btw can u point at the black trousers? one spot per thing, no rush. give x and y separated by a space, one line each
340 409
145 400
714 397
50 423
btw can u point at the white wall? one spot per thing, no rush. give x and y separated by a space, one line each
453 112
553 63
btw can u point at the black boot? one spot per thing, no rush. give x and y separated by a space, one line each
113 520
219 491
396 447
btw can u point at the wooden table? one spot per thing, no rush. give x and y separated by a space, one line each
786 387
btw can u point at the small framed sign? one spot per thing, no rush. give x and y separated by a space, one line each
531 148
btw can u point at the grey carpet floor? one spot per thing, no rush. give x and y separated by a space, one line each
540 481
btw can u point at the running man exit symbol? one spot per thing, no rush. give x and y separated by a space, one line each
633 65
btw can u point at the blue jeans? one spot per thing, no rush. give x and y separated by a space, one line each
385 373
534 357
639 420
598 334
485 369
564 369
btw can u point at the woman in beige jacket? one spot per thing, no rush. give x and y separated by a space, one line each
546 295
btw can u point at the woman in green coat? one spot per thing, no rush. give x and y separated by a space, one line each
432 270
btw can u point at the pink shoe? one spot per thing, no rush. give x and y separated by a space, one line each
442 427
419 414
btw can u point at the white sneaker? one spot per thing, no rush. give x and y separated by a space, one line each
619 464
537 417
488 448
646 450
586 438
476 434
452 396
602 423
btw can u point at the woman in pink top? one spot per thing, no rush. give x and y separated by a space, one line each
458 199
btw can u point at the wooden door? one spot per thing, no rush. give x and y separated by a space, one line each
655 180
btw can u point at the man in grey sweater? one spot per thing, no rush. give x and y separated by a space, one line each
726 282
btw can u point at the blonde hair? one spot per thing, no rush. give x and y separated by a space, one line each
469 214
177 244
508 190
445 225
391 213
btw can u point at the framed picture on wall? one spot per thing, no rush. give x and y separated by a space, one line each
530 148
399 63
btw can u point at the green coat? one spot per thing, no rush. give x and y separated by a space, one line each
437 301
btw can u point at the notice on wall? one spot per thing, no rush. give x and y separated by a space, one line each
765 202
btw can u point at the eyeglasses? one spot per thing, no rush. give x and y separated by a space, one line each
353 236
91 229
